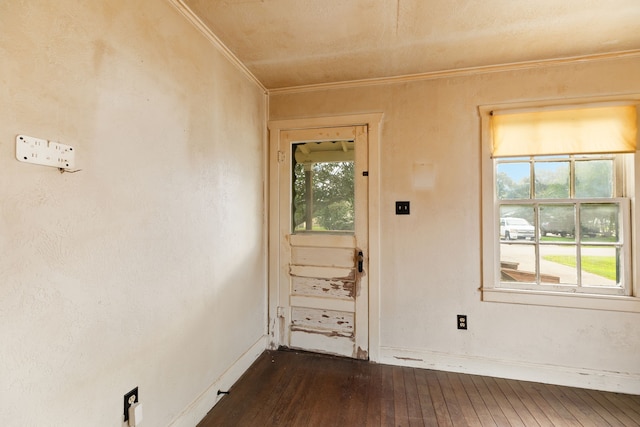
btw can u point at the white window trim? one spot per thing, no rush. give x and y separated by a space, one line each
491 247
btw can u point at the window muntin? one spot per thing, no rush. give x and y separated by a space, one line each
553 195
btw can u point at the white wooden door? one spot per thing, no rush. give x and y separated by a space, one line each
322 237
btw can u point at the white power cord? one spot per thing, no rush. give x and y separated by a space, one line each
135 412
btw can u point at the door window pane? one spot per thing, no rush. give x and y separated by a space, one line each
323 186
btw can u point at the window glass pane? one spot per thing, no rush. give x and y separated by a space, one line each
557 222
600 266
599 222
558 265
512 180
551 180
516 222
517 263
323 193
594 178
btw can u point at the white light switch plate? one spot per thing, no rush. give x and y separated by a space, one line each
42 152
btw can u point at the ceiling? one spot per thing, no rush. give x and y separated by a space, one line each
288 43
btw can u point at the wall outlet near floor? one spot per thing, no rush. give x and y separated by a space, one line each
462 321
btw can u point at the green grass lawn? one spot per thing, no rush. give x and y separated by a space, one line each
604 266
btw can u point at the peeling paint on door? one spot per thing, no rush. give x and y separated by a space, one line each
361 354
335 288
321 271
326 322
324 279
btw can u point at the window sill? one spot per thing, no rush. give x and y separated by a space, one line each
558 299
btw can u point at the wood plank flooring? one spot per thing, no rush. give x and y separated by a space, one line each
288 388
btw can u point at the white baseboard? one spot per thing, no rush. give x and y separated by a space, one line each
559 375
198 409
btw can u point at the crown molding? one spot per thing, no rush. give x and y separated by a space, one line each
186 11
460 72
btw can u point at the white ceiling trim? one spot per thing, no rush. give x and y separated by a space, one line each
209 35
456 72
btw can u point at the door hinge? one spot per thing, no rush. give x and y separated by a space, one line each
280 156
280 312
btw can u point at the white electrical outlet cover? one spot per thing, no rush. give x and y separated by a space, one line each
42 152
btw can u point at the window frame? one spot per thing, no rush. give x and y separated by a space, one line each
491 290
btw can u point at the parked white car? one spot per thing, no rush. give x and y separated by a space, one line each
516 228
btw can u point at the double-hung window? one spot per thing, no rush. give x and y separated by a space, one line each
558 195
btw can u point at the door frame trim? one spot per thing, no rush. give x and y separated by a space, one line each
373 121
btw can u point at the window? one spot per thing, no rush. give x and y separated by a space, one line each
558 189
561 228
323 187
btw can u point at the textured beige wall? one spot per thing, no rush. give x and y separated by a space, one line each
431 259
147 267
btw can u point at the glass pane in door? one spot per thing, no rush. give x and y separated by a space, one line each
323 186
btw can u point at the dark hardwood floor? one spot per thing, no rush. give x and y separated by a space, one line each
287 388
